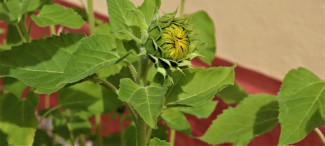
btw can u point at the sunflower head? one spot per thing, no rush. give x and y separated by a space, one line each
174 42
171 42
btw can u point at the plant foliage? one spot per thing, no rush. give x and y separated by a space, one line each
138 69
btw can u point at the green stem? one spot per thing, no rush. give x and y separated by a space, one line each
141 129
20 33
49 111
182 7
134 72
91 18
108 84
52 29
133 113
149 132
99 138
321 135
122 130
143 70
172 137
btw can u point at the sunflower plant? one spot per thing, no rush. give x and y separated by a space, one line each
136 70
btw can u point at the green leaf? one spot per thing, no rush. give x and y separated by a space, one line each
17 118
58 15
176 120
49 64
255 115
161 133
5 14
201 111
301 101
14 86
13 38
126 21
42 138
87 96
198 85
104 29
158 142
146 100
203 24
37 4
150 10
233 94
17 7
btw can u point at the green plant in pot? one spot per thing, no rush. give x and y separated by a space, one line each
137 68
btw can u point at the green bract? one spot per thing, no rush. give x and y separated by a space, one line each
171 43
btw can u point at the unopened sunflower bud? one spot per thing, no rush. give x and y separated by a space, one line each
174 42
171 41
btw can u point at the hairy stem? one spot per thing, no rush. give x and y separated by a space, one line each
108 84
172 137
91 18
133 113
321 135
143 69
141 129
134 72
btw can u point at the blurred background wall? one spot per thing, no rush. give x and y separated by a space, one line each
269 36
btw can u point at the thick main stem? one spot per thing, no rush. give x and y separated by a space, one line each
99 140
91 18
141 129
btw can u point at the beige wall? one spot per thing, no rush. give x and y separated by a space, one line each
270 36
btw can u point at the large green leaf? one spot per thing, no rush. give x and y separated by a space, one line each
146 100
126 21
49 64
233 94
58 15
150 9
157 142
255 115
86 96
17 7
198 85
176 120
201 111
302 102
203 24
18 122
